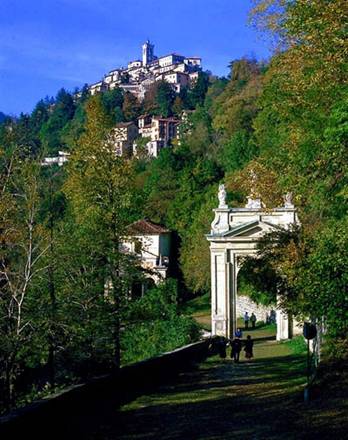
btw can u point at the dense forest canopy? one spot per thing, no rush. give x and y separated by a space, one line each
60 229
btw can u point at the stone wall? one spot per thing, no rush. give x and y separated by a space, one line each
75 413
245 304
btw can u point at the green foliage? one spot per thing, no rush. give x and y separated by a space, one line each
23 246
297 345
130 107
237 151
196 94
154 325
60 113
98 189
113 101
323 277
159 99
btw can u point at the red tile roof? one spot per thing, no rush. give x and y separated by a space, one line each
145 227
124 124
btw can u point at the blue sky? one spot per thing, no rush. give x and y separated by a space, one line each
49 44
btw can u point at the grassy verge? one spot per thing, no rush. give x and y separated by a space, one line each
296 345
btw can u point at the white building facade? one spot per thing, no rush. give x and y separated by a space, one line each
151 243
159 131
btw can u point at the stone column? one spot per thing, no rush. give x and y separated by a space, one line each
233 294
220 294
282 325
220 271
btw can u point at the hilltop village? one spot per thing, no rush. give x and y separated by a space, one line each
158 131
178 70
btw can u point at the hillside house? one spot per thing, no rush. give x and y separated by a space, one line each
160 132
151 243
123 135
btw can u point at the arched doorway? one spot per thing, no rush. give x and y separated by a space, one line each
234 235
253 296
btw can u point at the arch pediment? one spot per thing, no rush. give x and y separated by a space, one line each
254 229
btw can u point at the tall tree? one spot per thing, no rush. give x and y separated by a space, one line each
23 245
99 190
130 107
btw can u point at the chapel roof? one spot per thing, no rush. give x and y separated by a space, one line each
124 124
146 227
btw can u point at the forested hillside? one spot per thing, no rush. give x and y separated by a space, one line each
64 282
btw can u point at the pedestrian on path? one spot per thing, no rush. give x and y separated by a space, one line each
236 347
249 344
246 320
253 320
221 344
272 317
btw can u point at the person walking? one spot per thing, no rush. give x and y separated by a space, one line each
246 320
253 320
221 343
236 347
272 318
249 344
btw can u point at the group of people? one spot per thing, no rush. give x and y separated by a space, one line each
237 343
271 318
236 346
248 318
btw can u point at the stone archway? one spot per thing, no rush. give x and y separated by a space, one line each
234 235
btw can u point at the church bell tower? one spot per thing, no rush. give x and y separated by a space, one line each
148 53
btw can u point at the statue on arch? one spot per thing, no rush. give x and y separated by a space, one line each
222 196
288 203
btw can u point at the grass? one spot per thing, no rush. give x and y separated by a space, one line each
297 345
200 304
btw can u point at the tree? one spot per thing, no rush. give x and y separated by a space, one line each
98 188
130 107
237 152
236 107
113 102
196 94
301 131
3 117
178 106
61 112
159 99
154 325
23 245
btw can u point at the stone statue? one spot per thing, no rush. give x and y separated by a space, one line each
222 196
254 203
288 200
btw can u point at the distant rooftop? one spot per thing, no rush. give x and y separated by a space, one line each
124 124
146 227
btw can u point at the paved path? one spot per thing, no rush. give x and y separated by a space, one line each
220 400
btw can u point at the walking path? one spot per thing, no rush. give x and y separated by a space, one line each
221 400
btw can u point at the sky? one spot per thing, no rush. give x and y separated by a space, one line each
49 44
